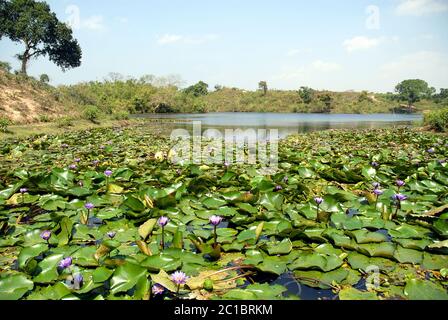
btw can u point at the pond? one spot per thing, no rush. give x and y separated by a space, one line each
287 123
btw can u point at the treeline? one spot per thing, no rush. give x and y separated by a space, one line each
150 94
120 96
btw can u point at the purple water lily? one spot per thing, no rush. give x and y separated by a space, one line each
77 160
46 235
111 234
215 220
285 179
318 201
278 188
378 192
73 167
108 173
65 263
399 197
431 150
157 289
95 162
375 164
179 277
78 280
376 185
163 221
89 206
23 190
400 183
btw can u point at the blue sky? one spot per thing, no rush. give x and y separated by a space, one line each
325 44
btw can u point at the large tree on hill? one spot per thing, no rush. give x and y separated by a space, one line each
413 91
33 24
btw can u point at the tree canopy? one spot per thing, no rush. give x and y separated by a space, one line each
413 90
197 90
34 25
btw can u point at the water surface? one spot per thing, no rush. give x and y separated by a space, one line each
287 123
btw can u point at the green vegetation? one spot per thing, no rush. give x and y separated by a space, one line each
437 120
413 91
32 24
4 123
72 229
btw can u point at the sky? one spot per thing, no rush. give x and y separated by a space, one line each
324 44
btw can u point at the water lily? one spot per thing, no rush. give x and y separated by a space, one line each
64 145
398 198
285 179
46 235
400 183
23 191
318 201
179 278
77 160
65 263
375 164
73 167
378 192
95 162
89 206
431 150
376 185
163 221
78 280
278 188
111 234
108 173
157 289
215 221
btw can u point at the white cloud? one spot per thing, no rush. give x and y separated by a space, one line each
186 39
361 43
430 66
95 23
326 66
421 7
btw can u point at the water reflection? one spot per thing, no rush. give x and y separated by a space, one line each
287 124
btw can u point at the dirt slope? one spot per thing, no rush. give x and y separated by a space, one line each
25 100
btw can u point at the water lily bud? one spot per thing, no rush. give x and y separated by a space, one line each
163 221
400 183
65 263
208 285
23 190
46 235
108 173
318 200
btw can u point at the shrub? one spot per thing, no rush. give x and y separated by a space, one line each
437 120
4 123
91 113
44 78
64 122
5 66
44 118
121 115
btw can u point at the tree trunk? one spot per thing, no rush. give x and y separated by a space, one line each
24 63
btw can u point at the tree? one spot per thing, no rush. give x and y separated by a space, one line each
44 78
197 90
263 86
327 100
307 94
413 91
34 25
